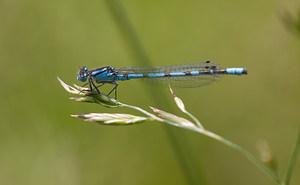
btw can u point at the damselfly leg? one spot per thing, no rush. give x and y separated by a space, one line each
92 83
93 86
114 89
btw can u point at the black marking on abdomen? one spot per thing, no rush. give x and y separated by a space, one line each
220 71
188 73
204 72
125 76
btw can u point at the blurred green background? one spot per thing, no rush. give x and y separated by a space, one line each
41 144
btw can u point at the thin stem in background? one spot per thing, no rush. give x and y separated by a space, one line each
292 162
180 147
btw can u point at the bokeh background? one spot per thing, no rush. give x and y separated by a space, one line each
41 144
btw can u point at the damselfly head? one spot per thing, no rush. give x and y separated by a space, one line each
82 75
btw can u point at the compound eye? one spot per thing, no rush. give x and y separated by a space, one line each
82 75
83 71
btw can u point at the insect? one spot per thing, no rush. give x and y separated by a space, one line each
187 76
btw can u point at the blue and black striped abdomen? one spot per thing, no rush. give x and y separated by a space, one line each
190 75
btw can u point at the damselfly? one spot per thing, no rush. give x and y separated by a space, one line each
191 75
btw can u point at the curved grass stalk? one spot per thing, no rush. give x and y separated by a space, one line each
162 116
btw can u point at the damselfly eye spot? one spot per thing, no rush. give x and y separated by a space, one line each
83 69
82 75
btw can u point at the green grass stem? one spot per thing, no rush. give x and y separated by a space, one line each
292 162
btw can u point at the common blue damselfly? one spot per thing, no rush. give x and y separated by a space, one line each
190 75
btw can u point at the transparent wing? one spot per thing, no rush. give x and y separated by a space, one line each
183 82
178 81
